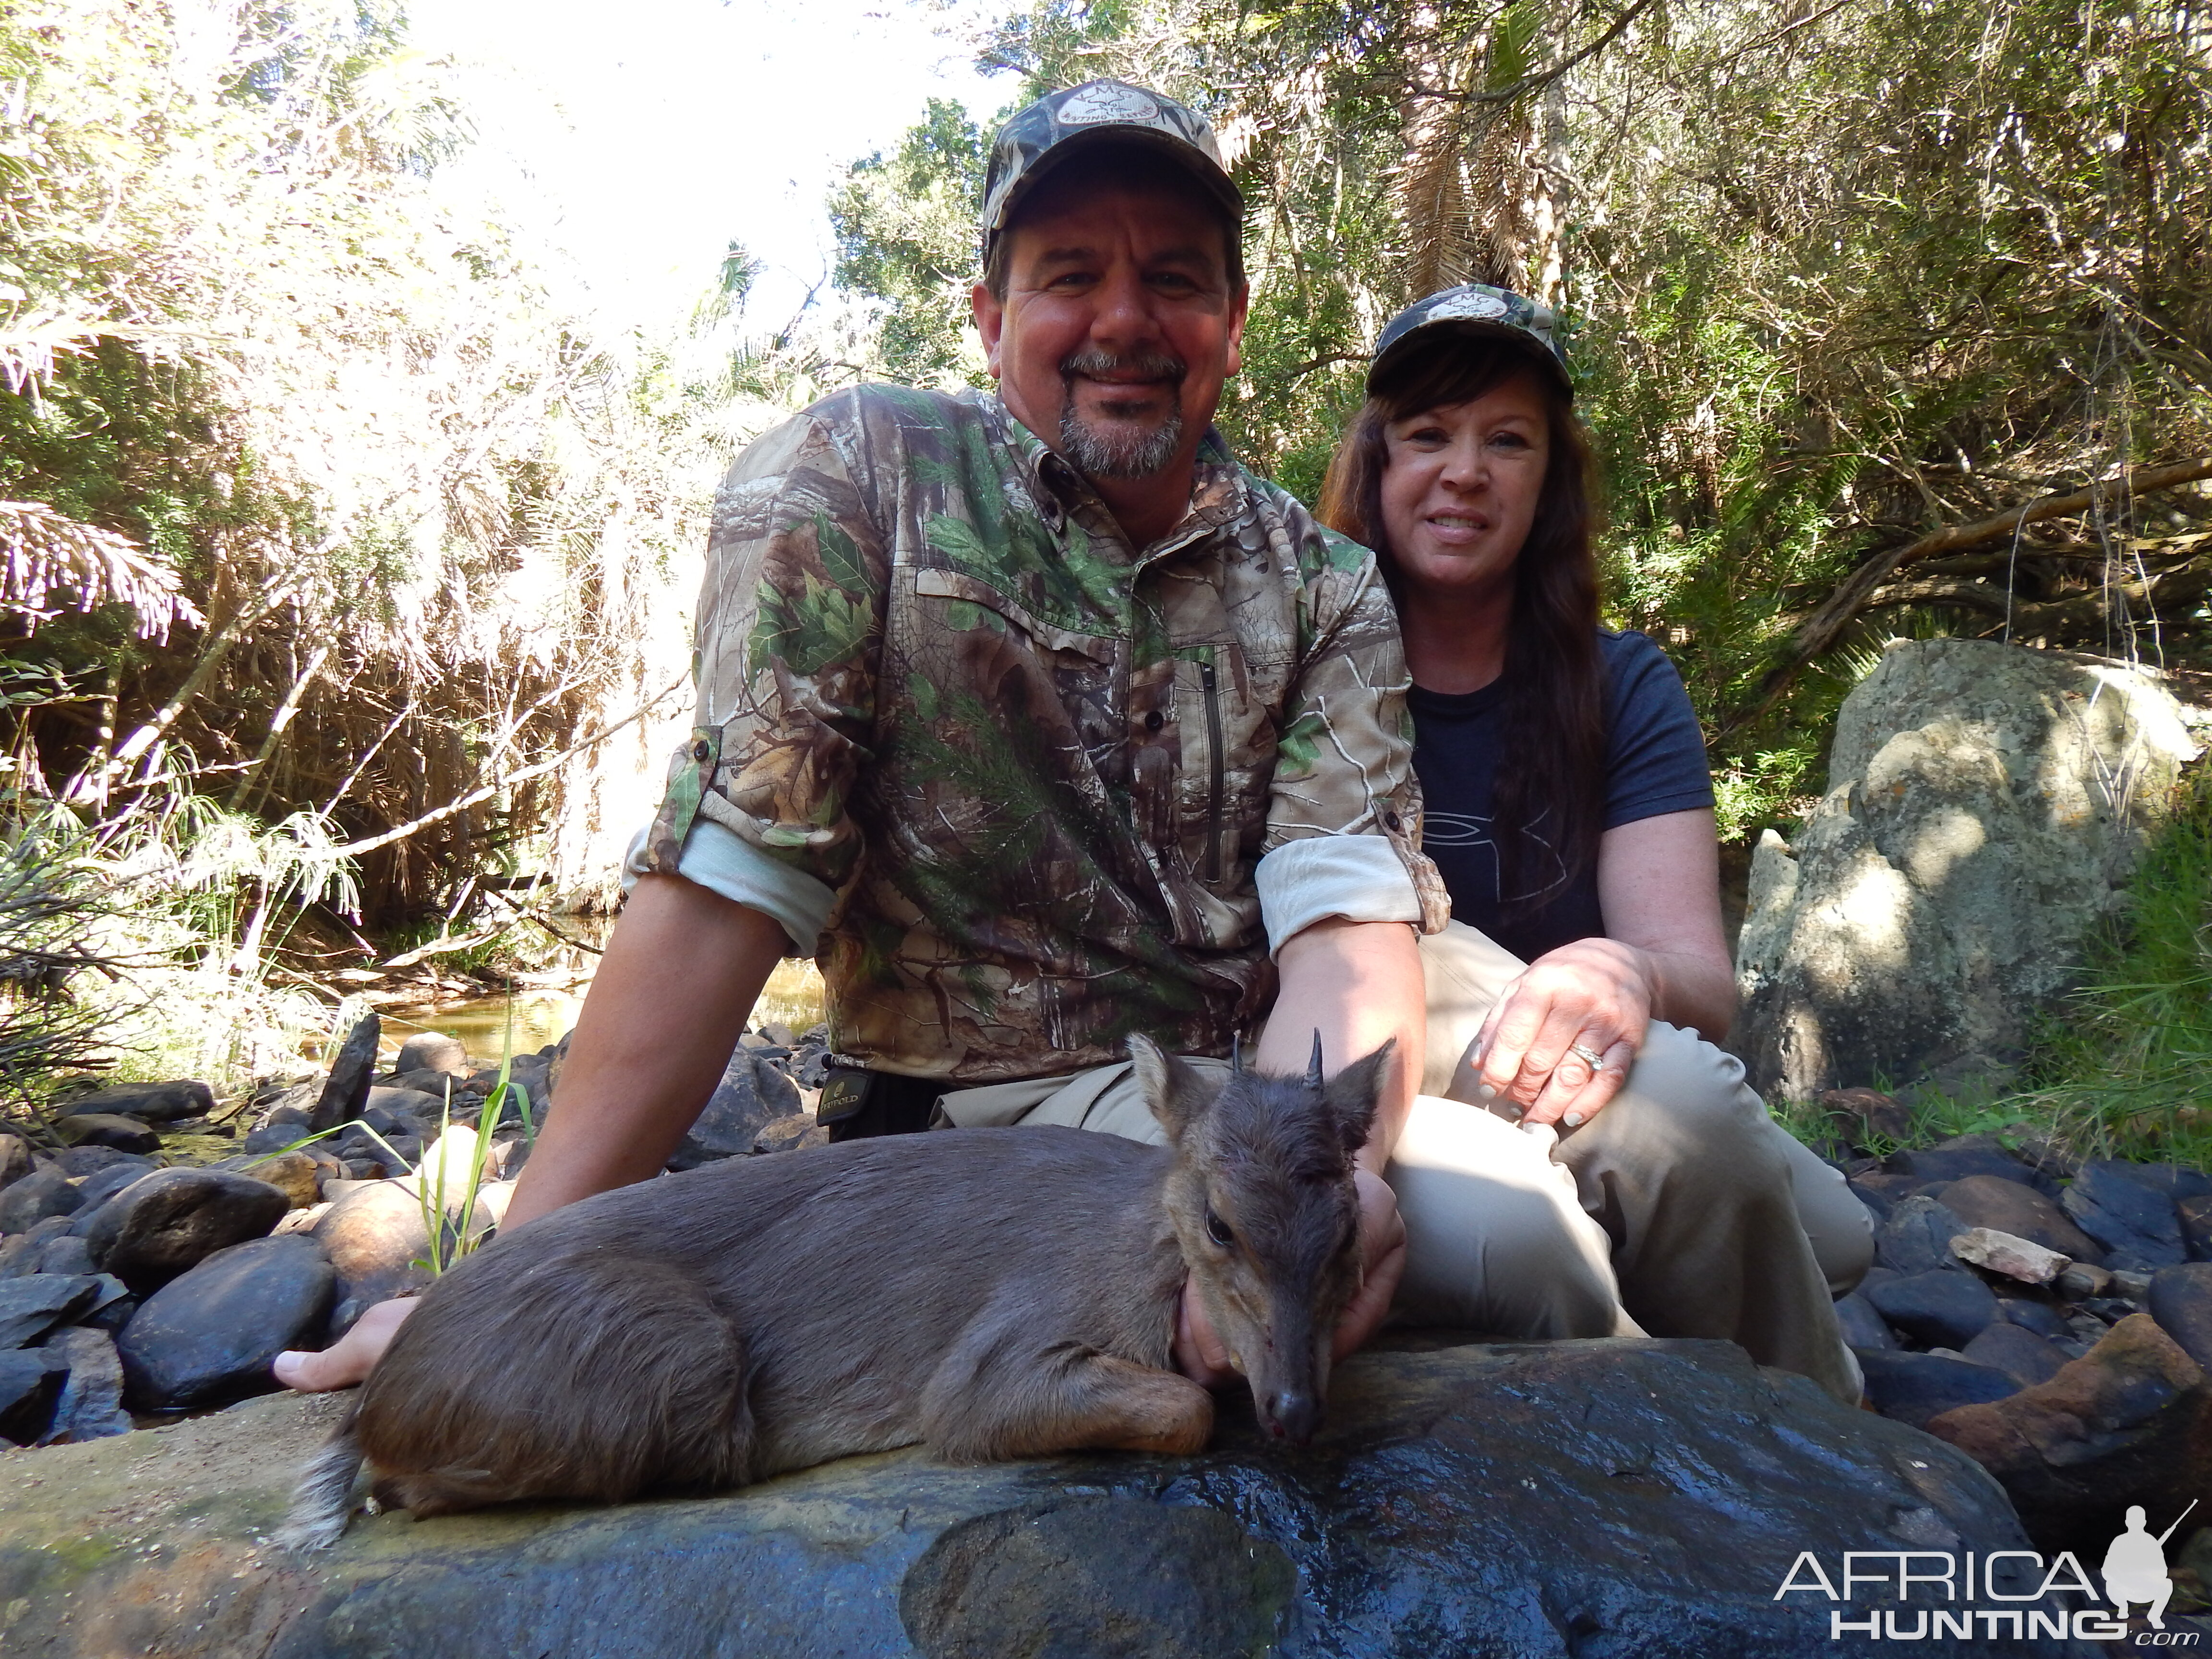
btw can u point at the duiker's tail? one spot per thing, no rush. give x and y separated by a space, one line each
322 1503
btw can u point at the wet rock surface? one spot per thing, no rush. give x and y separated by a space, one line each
1639 1498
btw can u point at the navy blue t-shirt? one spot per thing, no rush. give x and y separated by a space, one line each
1654 763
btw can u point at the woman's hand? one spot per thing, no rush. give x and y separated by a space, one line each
1592 997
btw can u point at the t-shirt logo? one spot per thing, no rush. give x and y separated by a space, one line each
1090 106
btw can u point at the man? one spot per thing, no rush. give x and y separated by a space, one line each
1038 717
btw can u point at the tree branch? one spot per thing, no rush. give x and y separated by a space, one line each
484 791
1541 78
1856 592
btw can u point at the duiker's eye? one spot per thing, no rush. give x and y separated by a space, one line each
1217 1230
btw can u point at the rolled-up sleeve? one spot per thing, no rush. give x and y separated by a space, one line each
1344 817
725 863
789 638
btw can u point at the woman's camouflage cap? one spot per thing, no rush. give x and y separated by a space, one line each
1061 124
1476 310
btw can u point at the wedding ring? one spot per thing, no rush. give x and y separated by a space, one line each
1591 1056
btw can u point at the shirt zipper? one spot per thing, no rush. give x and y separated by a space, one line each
1205 679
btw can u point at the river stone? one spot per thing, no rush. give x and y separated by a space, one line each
2007 1206
90 1406
2139 1228
1599 1497
433 1051
373 1234
2045 1321
297 1174
1970 841
36 1196
34 1304
1913 1388
1966 1156
2181 1301
150 1103
1937 1309
2131 1422
752 1094
165 1224
212 1334
67 1255
345 1091
30 1382
2020 1354
16 1160
1916 1238
20 1252
1862 1328
123 1134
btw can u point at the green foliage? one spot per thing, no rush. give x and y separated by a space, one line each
906 237
2125 1069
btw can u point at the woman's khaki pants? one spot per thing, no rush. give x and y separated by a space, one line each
1681 1209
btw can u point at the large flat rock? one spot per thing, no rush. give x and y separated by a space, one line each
1618 1497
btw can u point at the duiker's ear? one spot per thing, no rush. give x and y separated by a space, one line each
1176 1093
1353 1093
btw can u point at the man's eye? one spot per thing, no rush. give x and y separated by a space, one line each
1217 1230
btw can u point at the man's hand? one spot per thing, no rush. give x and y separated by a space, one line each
1594 995
349 1359
1199 1353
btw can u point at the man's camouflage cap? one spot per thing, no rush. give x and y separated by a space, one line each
1063 124
1471 311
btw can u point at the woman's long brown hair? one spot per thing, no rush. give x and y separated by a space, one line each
1555 704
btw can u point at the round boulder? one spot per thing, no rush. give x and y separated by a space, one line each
125 1134
212 1334
373 1234
168 1221
433 1051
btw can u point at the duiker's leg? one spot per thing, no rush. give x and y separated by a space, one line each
997 1395
1712 1209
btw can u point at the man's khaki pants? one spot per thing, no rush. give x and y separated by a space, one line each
1681 1209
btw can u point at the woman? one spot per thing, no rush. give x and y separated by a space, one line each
1569 810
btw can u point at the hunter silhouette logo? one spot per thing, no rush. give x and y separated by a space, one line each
2134 1567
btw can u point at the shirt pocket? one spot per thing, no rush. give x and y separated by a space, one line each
1227 745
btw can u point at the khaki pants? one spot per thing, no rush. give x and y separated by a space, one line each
1680 1210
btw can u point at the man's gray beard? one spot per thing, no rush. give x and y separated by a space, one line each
1121 453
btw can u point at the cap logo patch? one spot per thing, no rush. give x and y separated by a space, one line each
1483 306
1094 105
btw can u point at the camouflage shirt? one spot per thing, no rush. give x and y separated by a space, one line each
1036 767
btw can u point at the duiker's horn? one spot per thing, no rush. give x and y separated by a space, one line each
1237 1053
1313 1069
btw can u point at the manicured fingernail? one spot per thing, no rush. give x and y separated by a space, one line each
1572 1120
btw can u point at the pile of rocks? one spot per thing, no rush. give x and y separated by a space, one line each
133 1280
2054 1321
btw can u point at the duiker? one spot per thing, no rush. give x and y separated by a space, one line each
995 1292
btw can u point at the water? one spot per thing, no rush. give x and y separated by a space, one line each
793 996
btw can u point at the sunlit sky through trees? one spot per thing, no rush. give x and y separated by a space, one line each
643 137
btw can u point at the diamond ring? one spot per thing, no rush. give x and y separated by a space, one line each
1591 1056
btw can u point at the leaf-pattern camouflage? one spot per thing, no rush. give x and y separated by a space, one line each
1038 767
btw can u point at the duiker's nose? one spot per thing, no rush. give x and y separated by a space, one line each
1293 1415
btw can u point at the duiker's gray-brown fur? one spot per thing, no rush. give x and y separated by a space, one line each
995 1292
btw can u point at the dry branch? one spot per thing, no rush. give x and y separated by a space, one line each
1856 590
484 791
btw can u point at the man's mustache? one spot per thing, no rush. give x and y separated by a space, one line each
1144 366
